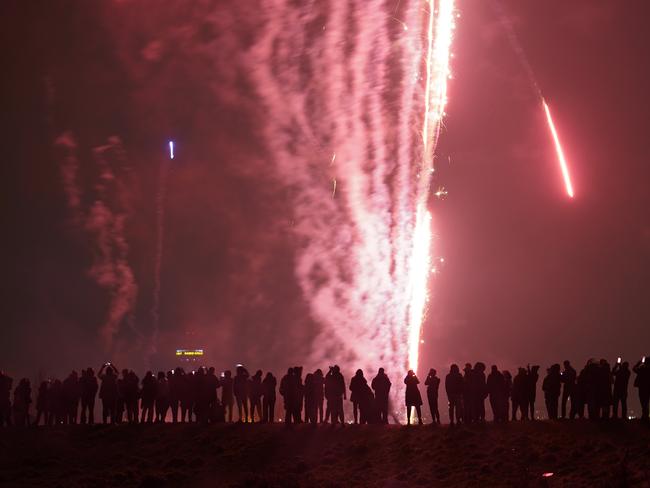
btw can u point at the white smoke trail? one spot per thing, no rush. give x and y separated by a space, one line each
515 44
69 169
105 221
344 78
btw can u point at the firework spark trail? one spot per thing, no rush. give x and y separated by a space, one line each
160 236
560 153
344 78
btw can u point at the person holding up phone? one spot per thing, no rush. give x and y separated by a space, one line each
621 373
642 382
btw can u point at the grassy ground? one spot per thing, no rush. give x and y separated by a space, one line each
516 454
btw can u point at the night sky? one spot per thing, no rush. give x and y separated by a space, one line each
529 275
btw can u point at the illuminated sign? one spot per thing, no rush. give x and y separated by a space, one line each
189 353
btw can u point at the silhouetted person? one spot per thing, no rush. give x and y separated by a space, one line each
367 409
212 384
6 383
240 389
108 392
496 388
22 400
227 394
120 407
604 389
531 378
200 395
200 403
132 396
300 395
41 403
412 396
121 396
335 392
520 394
72 392
288 390
642 382
162 397
148 393
319 393
88 386
329 396
356 394
468 399
433 384
454 386
580 395
310 400
207 392
381 386
56 403
591 379
621 373
569 379
255 386
187 396
479 392
551 386
507 380
175 388
268 398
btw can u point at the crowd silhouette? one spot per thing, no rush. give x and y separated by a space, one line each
598 391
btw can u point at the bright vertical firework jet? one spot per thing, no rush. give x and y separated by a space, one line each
560 153
439 33
363 83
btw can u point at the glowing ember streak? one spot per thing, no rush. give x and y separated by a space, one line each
560 153
171 149
439 37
